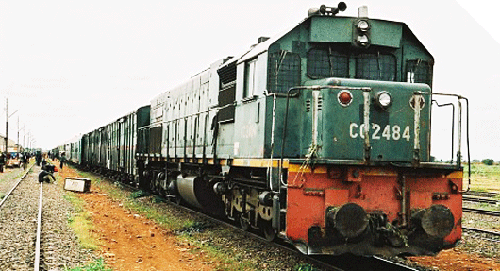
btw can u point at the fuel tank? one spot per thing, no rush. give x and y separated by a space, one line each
197 192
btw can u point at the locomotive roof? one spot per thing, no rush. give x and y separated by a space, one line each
262 47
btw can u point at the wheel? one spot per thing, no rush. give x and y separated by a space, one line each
268 231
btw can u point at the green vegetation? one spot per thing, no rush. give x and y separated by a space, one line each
80 221
488 162
484 178
98 265
305 267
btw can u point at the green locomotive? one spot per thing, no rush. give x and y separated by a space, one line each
320 136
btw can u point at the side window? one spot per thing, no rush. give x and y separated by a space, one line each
250 79
227 92
283 71
419 71
376 67
323 63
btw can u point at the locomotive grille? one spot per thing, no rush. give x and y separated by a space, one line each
320 104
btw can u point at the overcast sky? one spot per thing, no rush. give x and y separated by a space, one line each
71 66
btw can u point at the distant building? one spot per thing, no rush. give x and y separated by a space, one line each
13 147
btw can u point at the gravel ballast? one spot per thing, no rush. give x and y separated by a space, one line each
60 248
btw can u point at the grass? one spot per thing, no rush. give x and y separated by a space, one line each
98 265
81 221
305 267
484 178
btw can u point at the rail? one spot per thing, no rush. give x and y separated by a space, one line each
14 187
480 211
38 232
481 200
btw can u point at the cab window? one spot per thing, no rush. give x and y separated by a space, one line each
419 71
376 67
283 71
323 63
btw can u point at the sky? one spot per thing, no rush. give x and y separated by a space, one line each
69 67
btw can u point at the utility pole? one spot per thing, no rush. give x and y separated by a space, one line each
18 145
7 116
6 125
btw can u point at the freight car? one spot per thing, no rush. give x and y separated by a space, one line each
320 136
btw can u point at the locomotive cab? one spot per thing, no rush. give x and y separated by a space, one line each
349 102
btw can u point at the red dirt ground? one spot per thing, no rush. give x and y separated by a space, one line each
456 260
132 242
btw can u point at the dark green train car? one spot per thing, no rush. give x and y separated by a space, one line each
112 149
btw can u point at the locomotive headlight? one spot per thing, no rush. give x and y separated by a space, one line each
363 26
361 33
383 99
363 40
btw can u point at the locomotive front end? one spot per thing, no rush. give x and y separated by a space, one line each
366 185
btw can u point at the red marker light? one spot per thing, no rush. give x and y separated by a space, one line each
345 98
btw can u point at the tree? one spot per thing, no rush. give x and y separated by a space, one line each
488 162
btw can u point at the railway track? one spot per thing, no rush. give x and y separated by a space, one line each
482 194
482 197
6 196
481 200
493 233
34 236
480 211
20 207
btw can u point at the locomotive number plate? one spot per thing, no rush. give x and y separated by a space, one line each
389 132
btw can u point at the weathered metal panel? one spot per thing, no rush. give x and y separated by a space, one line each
295 126
385 33
339 29
391 132
249 135
329 29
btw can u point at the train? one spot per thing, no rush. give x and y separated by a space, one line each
319 136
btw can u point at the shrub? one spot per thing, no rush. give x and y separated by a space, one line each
488 162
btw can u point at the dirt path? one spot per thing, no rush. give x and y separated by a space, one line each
132 242
455 260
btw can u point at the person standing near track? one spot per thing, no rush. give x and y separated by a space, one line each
23 159
38 157
2 161
62 160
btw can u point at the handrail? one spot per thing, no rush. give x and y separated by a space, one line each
452 126
459 157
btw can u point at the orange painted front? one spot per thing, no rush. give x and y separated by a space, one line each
311 192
